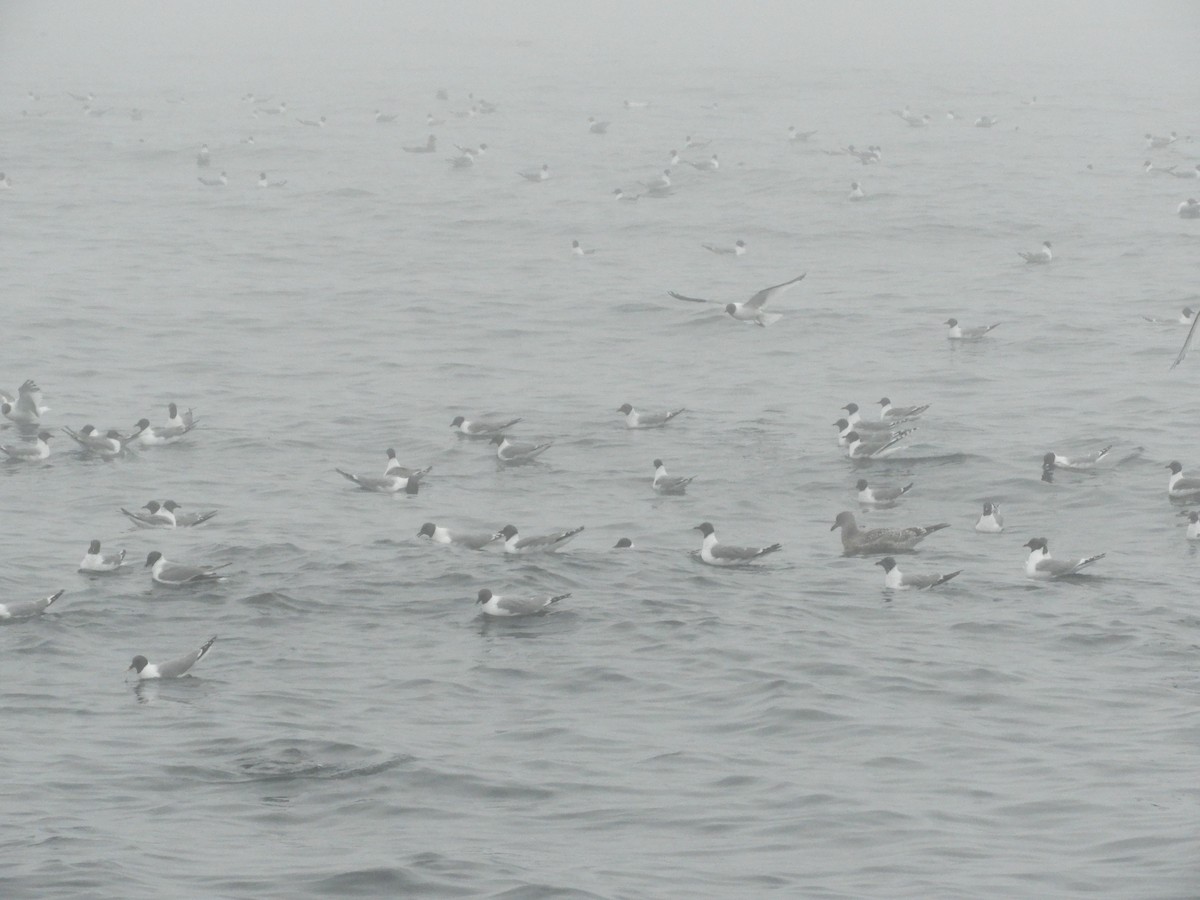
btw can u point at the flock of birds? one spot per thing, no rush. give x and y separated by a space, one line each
859 438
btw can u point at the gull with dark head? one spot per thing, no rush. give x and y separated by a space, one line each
959 333
880 494
669 484
896 413
35 452
1042 255
718 554
1039 563
515 452
635 419
473 541
508 606
1180 487
172 668
990 521
177 574
896 580
542 543
481 428
751 312
95 561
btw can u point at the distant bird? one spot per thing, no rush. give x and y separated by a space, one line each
1151 169
706 165
5 183
389 483
717 554
495 605
619 194
432 121
27 408
1189 209
750 312
880 540
597 127
177 575
1179 487
799 137
1039 563
880 494
738 248
1037 257
24 609
203 157
541 174
887 411
952 115
659 185
516 452
313 123
35 452
480 428
958 333
669 484
542 543
858 448
1154 142
893 578
691 143
1187 173
1075 463
220 181
430 146
474 541
1193 529
636 104
915 121
382 118
856 191
986 121
578 250
95 561
172 668
673 158
990 521
272 110
635 419
1184 318
263 182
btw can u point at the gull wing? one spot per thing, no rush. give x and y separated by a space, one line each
760 299
691 299
176 667
1187 342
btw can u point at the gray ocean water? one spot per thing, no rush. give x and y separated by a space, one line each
672 729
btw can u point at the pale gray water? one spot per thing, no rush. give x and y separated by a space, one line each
670 730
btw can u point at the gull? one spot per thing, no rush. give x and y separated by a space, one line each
1189 209
899 413
738 249
880 494
439 535
1187 173
707 165
750 312
220 181
539 175
857 448
176 574
155 516
577 249
95 561
896 580
480 428
915 121
461 162
108 445
172 668
1151 169
1037 256
1039 563
635 419
186 520
636 104
313 123
869 439
177 426
272 110
872 154
986 121
1185 317
24 609
518 451
35 452
619 194
389 483
542 543
1075 463
1193 529
990 521
1179 487
690 143
660 184
430 146
597 127
28 408
669 484
853 417
203 157
856 191
717 554
393 467
264 183
952 115
382 118
880 540
799 137
1154 142
958 333
673 158
495 605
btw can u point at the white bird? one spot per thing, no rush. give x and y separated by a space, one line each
155 516
1039 563
382 118
899 413
706 165
35 452
673 158
186 520
893 578
1193 529
717 554
738 249
660 185
619 194
635 419
858 448
172 668
1151 169
985 121
577 249
24 609
958 333
95 561
1185 318
1042 255
1189 209
203 157
264 182
393 467
177 574
854 417
856 191
390 482
880 494
28 407
496 605
914 121
538 175
479 428
220 181
691 143
799 137
108 445
750 312
990 521
1179 487
880 540
178 424
597 127
1153 142
313 123
1076 463
669 484
542 543
518 451
474 541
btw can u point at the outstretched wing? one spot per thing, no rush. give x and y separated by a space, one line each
691 299
1187 342
760 299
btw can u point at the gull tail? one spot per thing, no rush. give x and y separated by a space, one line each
1089 561
904 490
205 648
930 529
53 597
345 475
774 547
559 597
942 579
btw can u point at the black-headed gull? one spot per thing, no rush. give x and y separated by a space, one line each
95 561
23 609
888 411
958 333
536 175
669 484
596 127
177 574
990 521
542 543
880 494
856 192
1042 255
188 519
635 419
1077 463
27 409
718 554
738 249
389 483
750 312
1039 563
220 181
264 182
858 448
474 541
1179 487
480 428
108 445
508 606
896 580
518 451
35 452
799 137
880 540
172 668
